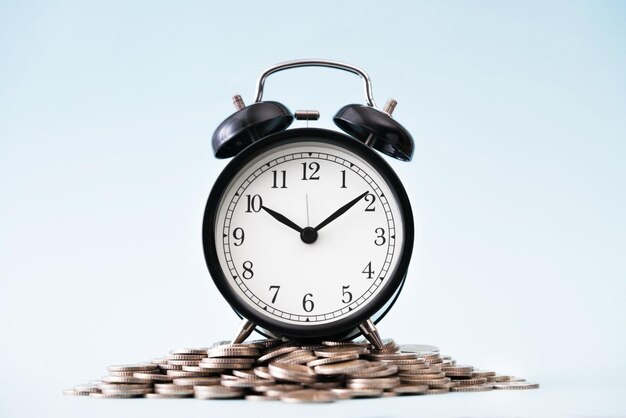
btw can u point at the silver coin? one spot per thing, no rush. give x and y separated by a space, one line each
515 386
167 395
344 367
411 389
262 398
340 350
292 372
376 383
276 352
473 388
153 377
308 396
197 381
86 387
201 351
421 349
331 360
217 392
345 393
72 392
111 396
127 391
138 367
122 379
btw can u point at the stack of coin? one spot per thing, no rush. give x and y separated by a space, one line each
273 369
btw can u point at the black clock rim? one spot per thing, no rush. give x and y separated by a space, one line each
340 326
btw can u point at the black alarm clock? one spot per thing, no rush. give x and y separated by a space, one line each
308 233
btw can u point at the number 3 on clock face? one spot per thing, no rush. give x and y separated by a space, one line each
308 233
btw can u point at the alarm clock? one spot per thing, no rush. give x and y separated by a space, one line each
308 232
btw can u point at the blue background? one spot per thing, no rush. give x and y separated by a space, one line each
518 185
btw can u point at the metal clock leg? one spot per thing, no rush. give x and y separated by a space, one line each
243 331
371 333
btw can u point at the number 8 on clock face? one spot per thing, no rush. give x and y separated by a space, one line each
308 233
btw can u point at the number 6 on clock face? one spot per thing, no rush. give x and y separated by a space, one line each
308 232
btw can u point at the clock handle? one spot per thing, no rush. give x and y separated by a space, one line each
369 98
243 331
371 334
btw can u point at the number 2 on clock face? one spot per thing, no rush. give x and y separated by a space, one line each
346 207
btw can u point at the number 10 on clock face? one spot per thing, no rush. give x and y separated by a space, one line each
307 232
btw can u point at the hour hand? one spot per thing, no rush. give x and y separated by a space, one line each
282 219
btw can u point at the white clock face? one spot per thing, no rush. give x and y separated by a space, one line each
286 247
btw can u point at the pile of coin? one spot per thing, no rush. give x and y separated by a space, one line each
273 369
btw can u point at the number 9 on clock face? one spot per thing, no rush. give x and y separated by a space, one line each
308 232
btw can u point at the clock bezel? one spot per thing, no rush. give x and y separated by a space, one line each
342 325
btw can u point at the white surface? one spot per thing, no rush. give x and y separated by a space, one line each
562 398
517 185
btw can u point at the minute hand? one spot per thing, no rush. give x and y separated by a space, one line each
340 211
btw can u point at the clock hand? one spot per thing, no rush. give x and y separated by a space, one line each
282 219
340 211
